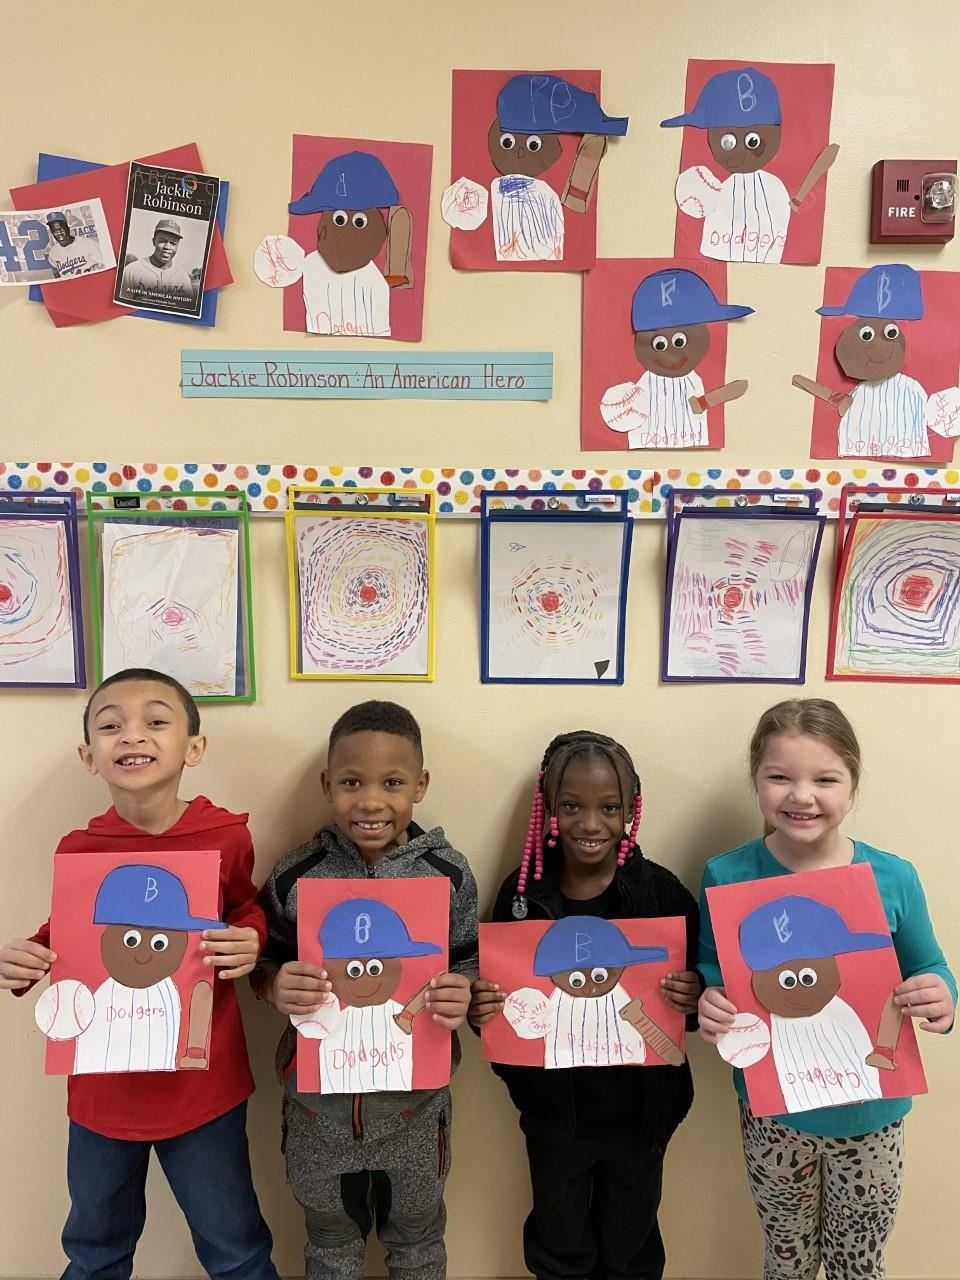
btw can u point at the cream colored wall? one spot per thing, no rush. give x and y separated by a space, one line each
240 79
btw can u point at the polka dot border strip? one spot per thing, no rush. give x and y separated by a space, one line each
458 489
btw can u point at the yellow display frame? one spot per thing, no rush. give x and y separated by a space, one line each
372 494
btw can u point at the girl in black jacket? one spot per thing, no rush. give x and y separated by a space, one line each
596 1136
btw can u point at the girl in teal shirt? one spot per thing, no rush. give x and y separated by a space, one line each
826 1182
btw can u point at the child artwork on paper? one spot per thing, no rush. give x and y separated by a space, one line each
584 992
672 324
381 943
738 595
884 321
38 574
896 610
555 599
526 153
817 1025
171 602
754 161
363 595
357 239
129 963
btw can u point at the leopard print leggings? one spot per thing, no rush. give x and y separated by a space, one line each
822 1199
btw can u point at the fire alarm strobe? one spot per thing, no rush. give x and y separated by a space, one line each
914 201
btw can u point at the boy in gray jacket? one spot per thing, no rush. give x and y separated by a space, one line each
356 1159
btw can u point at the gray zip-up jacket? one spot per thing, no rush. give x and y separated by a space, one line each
331 855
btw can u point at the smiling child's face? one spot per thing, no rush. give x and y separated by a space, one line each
799 989
871 350
672 353
138 957
364 980
527 154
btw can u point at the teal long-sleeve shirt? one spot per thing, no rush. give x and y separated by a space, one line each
913 939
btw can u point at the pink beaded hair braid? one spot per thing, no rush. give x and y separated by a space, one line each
558 755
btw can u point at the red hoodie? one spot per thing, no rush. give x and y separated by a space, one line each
148 1106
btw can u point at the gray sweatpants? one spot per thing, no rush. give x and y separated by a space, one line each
396 1183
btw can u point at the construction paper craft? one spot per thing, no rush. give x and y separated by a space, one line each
668 316
808 961
357 239
361 575
738 595
754 161
381 943
172 592
526 151
90 298
164 259
45 246
41 629
356 375
52 166
553 588
888 365
896 608
584 992
129 990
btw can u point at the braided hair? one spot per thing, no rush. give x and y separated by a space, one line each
559 755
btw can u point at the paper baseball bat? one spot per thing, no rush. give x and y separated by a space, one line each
399 271
578 190
655 1036
404 1019
813 388
719 395
198 1028
817 170
888 1036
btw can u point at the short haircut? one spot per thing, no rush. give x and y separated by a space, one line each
146 675
377 717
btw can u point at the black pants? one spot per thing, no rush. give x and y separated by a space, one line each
594 1213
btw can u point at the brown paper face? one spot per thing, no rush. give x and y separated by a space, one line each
741 150
365 980
528 154
672 353
870 350
799 989
139 957
347 239
590 983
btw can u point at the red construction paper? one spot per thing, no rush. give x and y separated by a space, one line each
806 101
608 355
90 298
409 165
76 939
507 958
867 977
932 357
424 907
474 108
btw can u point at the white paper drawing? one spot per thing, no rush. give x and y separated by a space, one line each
170 602
37 642
737 598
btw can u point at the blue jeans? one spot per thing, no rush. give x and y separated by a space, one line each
208 1170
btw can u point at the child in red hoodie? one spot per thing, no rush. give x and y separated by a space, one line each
140 729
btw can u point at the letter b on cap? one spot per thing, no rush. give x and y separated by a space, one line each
151 890
581 947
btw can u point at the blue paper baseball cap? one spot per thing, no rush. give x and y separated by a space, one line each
541 103
578 941
151 897
795 928
890 292
674 298
56 216
738 98
365 927
356 180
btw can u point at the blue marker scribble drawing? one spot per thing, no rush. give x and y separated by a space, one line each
170 602
36 624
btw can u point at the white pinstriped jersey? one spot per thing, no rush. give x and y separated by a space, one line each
656 412
887 418
746 220
527 220
362 1050
821 1060
132 1029
345 303
577 1031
